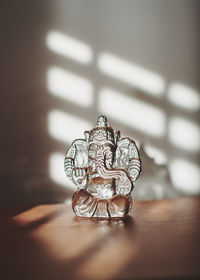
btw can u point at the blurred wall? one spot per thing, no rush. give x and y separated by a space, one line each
144 54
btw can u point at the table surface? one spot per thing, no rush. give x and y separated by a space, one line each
158 240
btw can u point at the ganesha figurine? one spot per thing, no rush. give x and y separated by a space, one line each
103 167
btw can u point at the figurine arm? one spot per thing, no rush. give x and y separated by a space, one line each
127 158
134 168
69 162
76 161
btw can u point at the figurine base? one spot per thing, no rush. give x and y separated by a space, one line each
86 205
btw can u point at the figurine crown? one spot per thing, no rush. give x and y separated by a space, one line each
103 132
102 121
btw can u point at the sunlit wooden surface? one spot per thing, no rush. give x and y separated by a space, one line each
159 240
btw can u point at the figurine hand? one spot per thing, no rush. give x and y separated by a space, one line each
79 176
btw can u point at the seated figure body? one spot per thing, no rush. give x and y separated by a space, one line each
103 166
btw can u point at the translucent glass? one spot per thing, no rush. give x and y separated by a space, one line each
103 167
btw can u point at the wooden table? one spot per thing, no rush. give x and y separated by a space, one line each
158 240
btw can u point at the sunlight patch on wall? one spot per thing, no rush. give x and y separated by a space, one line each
184 97
185 176
184 134
70 47
70 86
158 155
66 127
141 78
56 170
131 112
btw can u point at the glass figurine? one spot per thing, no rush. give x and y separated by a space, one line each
103 167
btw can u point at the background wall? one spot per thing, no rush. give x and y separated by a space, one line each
65 62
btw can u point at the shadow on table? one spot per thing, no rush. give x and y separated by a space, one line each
47 243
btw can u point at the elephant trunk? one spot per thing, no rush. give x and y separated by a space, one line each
107 173
123 182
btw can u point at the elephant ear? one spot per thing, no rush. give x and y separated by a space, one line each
127 158
76 156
